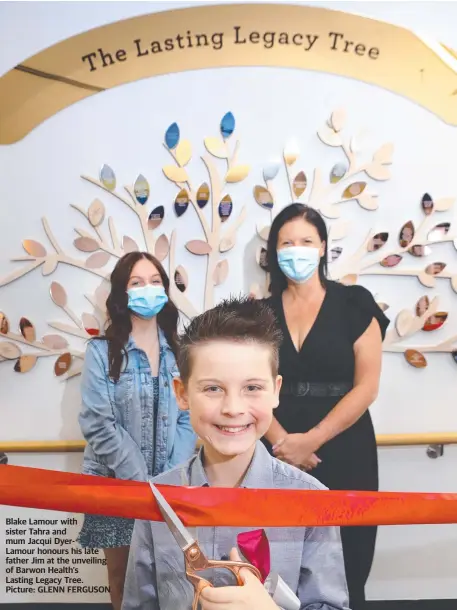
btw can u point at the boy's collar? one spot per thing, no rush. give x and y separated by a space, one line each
258 475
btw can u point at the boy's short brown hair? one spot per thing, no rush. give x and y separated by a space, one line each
242 320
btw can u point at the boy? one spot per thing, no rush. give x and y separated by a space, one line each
228 363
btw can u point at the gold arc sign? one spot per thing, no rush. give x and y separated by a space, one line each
230 35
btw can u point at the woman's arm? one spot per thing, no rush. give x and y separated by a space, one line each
111 443
275 432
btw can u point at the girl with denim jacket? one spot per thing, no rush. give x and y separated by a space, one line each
129 414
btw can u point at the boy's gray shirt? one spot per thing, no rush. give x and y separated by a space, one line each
309 559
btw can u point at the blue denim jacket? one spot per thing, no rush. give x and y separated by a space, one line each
118 420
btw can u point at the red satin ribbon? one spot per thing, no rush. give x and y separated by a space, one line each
205 506
256 549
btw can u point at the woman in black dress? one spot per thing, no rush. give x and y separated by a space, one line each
330 361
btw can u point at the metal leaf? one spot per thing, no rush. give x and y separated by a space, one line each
55 341
270 171
422 306
435 321
63 364
97 260
86 244
25 364
181 202
162 248
181 279
156 217
377 241
237 173
299 184
439 232
338 119
96 213
202 195
27 330
183 152
391 261
354 189
415 359
4 324
141 189
435 268
108 177
129 244
221 272
262 258
335 253
175 174
198 247
34 248
216 147
406 234
58 294
338 172
291 152
9 351
263 197
227 125
225 208
419 251
91 324
172 136
50 265
427 204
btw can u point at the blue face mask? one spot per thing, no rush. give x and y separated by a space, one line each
147 301
298 263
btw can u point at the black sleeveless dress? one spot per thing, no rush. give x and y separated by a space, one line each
314 380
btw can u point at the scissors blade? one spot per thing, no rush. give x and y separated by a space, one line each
182 536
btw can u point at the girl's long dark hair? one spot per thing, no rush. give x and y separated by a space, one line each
119 323
278 281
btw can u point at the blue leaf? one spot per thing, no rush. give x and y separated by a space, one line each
172 136
227 125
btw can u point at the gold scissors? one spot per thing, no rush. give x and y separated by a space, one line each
194 558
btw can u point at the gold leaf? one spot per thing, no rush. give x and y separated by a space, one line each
407 233
264 232
9 351
291 152
435 268
442 205
25 364
108 177
183 152
415 359
220 272
391 261
97 260
4 324
198 247
378 172
55 341
34 248
403 322
377 241
422 305
202 195
263 197
141 189
175 174
86 244
368 201
354 190
383 156
237 173
129 244
329 136
435 321
91 325
58 294
181 279
50 265
338 119
162 248
96 213
299 184
63 364
27 330
338 172
216 147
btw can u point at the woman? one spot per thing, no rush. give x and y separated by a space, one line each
129 414
330 360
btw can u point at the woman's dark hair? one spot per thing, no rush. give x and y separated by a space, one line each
119 323
278 281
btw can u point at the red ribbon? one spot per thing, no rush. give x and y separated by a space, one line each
206 506
256 549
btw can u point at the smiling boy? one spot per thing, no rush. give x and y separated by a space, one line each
228 362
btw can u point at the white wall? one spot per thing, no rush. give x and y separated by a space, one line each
124 127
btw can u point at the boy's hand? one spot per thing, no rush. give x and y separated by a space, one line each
251 596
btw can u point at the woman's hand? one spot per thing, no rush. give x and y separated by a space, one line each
251 596
298 450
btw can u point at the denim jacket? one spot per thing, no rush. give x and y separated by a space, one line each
117 419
